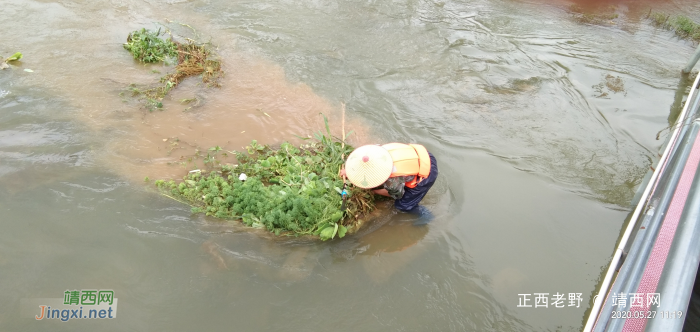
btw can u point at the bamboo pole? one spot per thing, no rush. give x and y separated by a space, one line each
343 137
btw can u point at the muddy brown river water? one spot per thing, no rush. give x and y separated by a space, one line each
543 124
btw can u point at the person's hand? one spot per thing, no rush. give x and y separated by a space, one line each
342 173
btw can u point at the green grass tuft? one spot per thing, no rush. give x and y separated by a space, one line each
681 25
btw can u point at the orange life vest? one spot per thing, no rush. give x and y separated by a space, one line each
409 159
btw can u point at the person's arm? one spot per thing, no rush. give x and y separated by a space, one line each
382 192
394 187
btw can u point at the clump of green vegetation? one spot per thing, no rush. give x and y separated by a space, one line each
286 190
147 46
681 25
658 19
597 15
192 59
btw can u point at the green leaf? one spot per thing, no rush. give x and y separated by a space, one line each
346 135
341 231
325 120
335 230
337 215
327 233
320 228
14 57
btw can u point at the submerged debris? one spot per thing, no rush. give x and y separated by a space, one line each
286 190
516 86
599 15
610 83
614 83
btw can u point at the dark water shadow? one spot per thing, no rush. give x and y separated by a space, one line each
679 97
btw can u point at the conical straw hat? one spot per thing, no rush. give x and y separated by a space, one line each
369 166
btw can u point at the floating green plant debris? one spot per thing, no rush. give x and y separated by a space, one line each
193 59
683 26
14 57
287 190
147 46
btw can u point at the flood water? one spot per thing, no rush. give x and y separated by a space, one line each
543 126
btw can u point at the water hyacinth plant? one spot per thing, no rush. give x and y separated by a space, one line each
286 190
147 46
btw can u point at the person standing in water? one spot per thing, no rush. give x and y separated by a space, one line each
404 172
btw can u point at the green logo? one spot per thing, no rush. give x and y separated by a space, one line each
88 297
